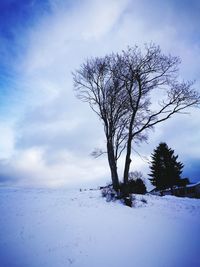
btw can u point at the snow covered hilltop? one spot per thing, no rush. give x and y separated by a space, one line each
59 228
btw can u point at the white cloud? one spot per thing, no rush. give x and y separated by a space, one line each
57 37
29 167
99 17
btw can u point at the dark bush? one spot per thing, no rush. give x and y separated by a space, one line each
134 187
140 187
183 182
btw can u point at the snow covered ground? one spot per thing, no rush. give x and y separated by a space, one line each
60 228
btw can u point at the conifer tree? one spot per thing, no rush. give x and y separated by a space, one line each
165 169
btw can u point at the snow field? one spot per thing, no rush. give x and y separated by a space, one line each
61 228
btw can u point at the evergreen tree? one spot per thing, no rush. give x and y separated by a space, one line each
165 169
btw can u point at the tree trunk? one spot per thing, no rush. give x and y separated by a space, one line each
127 161
113 166
128 152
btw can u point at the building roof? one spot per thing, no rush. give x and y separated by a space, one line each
192 185
189 185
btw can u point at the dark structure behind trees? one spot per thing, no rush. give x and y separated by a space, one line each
122 88
165 168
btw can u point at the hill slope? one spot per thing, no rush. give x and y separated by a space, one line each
58 228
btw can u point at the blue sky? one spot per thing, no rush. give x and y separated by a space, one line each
47 135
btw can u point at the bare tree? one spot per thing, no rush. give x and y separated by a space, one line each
97 83
123 90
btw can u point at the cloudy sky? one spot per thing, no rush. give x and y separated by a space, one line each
47 135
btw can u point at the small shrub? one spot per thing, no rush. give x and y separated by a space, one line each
108 193
103 192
